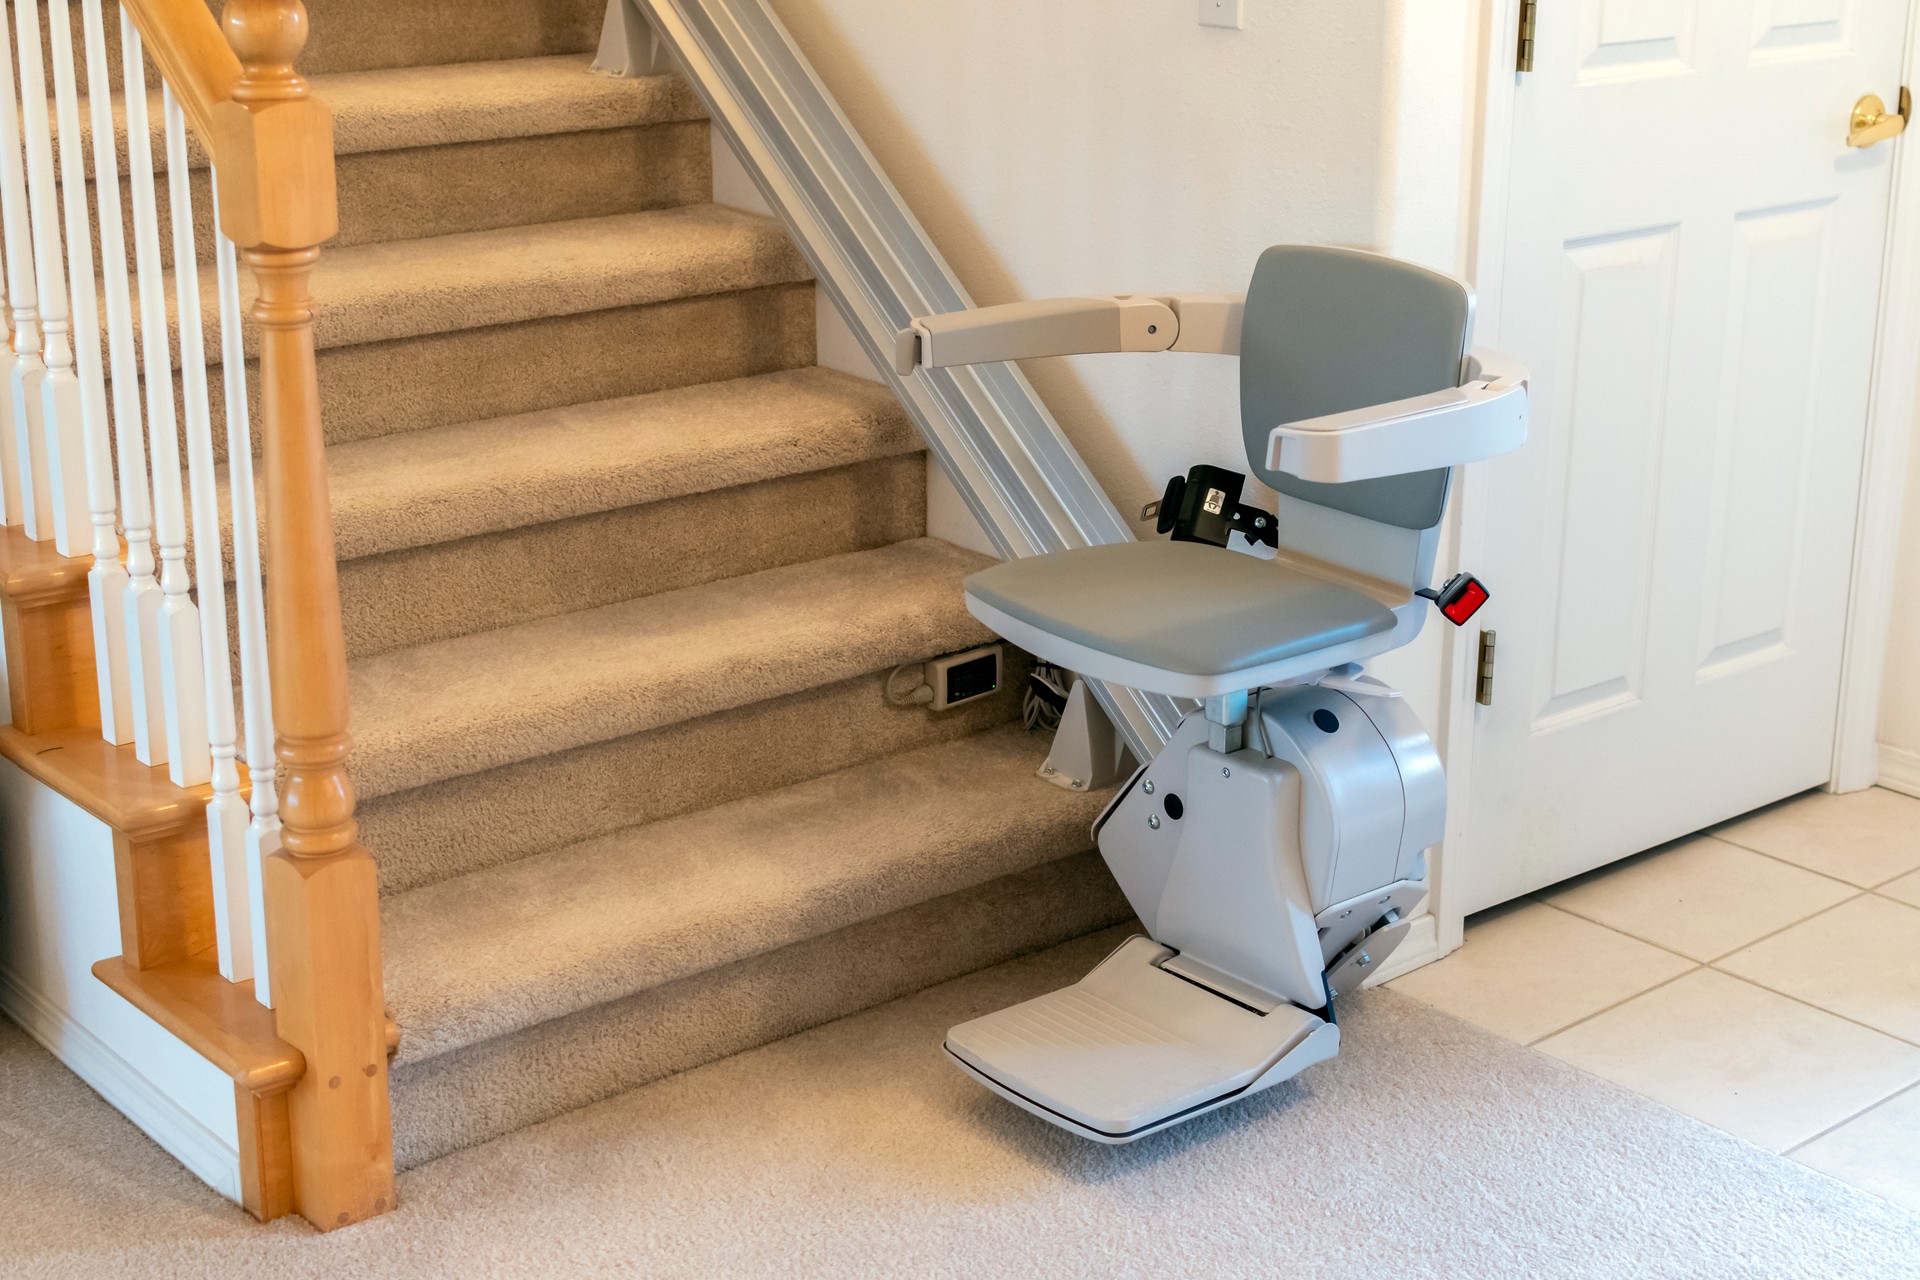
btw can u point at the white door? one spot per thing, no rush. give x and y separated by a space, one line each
1692 273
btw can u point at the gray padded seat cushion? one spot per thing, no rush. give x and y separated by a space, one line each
1179 606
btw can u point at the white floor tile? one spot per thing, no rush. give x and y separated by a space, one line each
1533 969
1702 897
1906 889
1860 960
1865 837
1761 1066
1877 1152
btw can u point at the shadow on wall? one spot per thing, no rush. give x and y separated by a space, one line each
1102 146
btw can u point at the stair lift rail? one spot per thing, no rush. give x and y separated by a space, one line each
98 442
984 424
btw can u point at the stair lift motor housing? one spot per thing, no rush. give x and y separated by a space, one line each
1271 878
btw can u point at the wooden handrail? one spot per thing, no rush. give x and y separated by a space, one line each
183 41
271 142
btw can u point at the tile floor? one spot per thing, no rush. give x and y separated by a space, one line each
1763 976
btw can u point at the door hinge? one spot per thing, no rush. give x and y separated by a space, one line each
1523 57
1483 685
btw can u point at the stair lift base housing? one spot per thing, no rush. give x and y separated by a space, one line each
1270 877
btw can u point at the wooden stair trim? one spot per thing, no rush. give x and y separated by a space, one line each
35 573
219 1020
109 782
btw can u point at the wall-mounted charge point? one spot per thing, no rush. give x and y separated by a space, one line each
962 677
1224 13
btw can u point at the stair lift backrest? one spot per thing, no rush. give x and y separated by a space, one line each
1330 330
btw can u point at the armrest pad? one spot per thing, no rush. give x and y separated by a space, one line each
1483 417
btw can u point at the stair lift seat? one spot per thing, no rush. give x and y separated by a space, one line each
1174 617
1275 847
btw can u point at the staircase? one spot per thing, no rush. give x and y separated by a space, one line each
622 575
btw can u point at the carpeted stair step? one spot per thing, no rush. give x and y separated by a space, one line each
437 711
449 828
406 288
362 35
485 324
460 1099
434 151
465 528
444 483
498 952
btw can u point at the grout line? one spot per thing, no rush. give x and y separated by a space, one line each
1906 1088
1789 862
1568 911
1714 960
1853 897
1781 859
1787 995
1697 967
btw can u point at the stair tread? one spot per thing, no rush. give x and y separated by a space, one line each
423 487
459 706
475 279
481 101
402 288
494 951
397 108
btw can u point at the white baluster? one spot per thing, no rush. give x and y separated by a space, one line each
107 580
177 626
21 425
143 590
65 514
140 602
249 607
226 811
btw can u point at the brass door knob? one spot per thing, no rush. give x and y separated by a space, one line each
1873 123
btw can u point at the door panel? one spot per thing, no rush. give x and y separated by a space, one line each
1691 274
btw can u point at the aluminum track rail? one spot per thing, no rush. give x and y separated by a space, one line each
985 426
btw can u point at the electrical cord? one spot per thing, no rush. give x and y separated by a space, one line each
919 696
1045 699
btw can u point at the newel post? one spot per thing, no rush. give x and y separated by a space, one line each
275 151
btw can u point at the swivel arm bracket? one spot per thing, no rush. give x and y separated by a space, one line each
1069 327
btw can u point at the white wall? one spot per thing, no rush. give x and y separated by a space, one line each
1095 146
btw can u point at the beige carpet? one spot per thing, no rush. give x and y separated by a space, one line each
1429 1148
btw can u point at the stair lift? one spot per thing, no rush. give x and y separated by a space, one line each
1275 848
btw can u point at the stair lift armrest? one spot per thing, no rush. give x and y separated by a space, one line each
1482 418
1071 327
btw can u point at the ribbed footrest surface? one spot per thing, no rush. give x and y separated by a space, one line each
1131 1048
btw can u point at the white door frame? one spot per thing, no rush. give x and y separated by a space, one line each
1895 396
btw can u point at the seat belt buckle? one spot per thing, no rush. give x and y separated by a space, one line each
1459 598
1204 506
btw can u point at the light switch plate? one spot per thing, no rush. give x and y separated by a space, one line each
1223 13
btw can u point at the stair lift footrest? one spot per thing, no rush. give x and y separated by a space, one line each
1131 1048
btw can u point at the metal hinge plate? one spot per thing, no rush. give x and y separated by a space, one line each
1483 685
1523 57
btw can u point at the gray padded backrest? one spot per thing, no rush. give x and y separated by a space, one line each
1328 330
